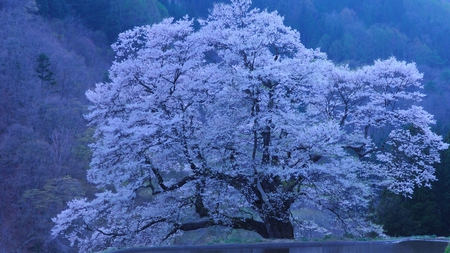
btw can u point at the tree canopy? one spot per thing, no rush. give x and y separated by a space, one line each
237 124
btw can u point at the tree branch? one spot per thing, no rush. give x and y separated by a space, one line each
160 179
115 234
151 224
146 87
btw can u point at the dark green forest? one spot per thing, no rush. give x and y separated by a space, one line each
52 51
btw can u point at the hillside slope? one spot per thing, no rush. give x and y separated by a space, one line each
45 68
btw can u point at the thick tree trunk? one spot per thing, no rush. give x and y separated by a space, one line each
279 229
271 228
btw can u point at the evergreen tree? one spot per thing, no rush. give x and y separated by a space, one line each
43 70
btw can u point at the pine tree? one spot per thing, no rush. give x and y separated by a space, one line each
44 72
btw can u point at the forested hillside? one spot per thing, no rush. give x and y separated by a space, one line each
52 51
45 68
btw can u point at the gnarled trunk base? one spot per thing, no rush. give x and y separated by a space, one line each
278 229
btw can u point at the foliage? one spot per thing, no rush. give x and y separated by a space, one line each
425 212
236 124
376 29
38 205
113 17
53 8
124 15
